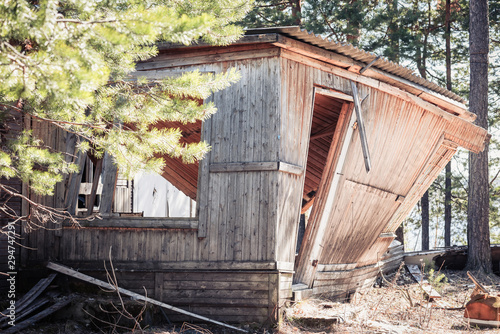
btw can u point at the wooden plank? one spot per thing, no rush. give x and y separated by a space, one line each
159 286
246 39
92 196
31 295
109 176
273 302
83 277
333 93
71 197
21 315
222 294
141 223
157 265
361 127
422 281
290 168
202 197
215 285
48 311
256 167
208 59
336 267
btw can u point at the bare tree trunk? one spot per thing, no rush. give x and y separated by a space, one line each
296 11
447 179
478 229
425 221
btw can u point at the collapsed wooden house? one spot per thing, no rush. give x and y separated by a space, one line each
286 139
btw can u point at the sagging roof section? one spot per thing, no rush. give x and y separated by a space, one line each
350 51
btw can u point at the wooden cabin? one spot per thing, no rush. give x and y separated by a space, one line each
285 140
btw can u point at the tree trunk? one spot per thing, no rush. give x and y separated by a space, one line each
447 206
478 229
296 11
400 235
447 180
424 201
425 220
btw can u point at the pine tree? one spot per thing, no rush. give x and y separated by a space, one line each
478 228
69 64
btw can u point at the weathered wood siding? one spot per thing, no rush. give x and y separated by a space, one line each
410 142
238 209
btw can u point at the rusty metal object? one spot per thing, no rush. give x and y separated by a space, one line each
483 308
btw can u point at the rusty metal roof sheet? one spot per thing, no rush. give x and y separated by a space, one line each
349 50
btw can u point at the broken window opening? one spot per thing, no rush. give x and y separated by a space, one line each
171 194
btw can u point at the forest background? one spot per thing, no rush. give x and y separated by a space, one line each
414 34
50 52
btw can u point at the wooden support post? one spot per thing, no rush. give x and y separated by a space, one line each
158 286
109 173
71 198
93 193
203 195
361 127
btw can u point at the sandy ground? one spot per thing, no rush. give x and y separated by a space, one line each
395 304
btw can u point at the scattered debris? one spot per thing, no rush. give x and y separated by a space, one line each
430 292
89 279
31 302
483 308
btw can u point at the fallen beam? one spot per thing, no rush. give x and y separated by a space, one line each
30 296
70 272
48 311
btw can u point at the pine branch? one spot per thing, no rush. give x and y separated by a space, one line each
87 22
52 214
494 178
54 121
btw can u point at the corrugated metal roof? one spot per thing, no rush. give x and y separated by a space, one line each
356 54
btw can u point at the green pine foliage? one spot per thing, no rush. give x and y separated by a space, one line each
69 63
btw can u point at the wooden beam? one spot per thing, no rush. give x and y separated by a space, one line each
247 39
262 166
333 93
109 176
97 174
140 222
328 130
71 197
226 267
203 194
290 168
371 189
102 284
177 60
361 128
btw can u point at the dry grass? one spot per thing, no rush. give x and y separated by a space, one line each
396 305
